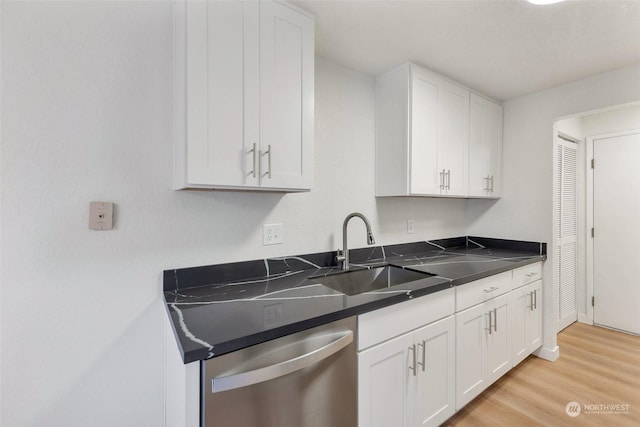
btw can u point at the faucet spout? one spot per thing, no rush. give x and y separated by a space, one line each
345 251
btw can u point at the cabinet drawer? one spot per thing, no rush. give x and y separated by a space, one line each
527 274
481 290
388 322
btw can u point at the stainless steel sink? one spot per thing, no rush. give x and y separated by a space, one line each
354 282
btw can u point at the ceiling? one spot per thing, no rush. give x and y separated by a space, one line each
501 48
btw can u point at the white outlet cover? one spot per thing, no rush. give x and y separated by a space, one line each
272 234
410 228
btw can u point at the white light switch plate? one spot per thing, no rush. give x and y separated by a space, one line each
272 234
100 215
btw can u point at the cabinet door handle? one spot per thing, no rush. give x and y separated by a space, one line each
530 306
253 152
535 299
412 349
485 183
268 153
449 179
490 323
442 186
491 181
423 344
495 320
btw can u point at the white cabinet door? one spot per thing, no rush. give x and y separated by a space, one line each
221 79
453 126
244 96
471 326
485 148
520 304
534 319
384 382
286 97
439 126
526 321
483 347
435 385
498 357
424 173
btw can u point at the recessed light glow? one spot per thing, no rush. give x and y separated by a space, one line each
543 2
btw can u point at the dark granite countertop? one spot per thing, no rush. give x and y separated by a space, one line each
221 308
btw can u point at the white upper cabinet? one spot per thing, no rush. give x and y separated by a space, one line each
422 123
244 96
423 137
485 148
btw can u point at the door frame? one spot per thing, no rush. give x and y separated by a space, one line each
589 220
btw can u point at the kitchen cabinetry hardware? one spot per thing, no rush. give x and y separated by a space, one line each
490 322
253 151
423 344
535 299
491 289
448 179
268 154
413 366
495 320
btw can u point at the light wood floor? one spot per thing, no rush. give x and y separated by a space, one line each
597 366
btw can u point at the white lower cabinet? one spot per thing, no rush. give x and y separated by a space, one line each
482 347
526 320
409 380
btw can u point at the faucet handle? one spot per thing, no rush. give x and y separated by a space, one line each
340 256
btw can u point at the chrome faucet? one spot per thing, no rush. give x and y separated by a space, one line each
344 254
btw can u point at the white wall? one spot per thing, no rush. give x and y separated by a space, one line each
525 211
86 115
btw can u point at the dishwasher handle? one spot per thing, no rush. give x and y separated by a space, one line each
255 376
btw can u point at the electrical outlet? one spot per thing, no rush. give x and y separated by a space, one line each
410 226
100 215
272 234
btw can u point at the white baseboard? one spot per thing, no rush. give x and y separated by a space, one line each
583 318
550 354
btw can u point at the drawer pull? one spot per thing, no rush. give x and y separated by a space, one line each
530 275
413 368
491 289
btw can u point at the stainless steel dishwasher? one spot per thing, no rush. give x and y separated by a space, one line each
306 379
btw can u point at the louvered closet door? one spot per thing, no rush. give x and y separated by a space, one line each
565 234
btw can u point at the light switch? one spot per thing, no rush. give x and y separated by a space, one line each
100 215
